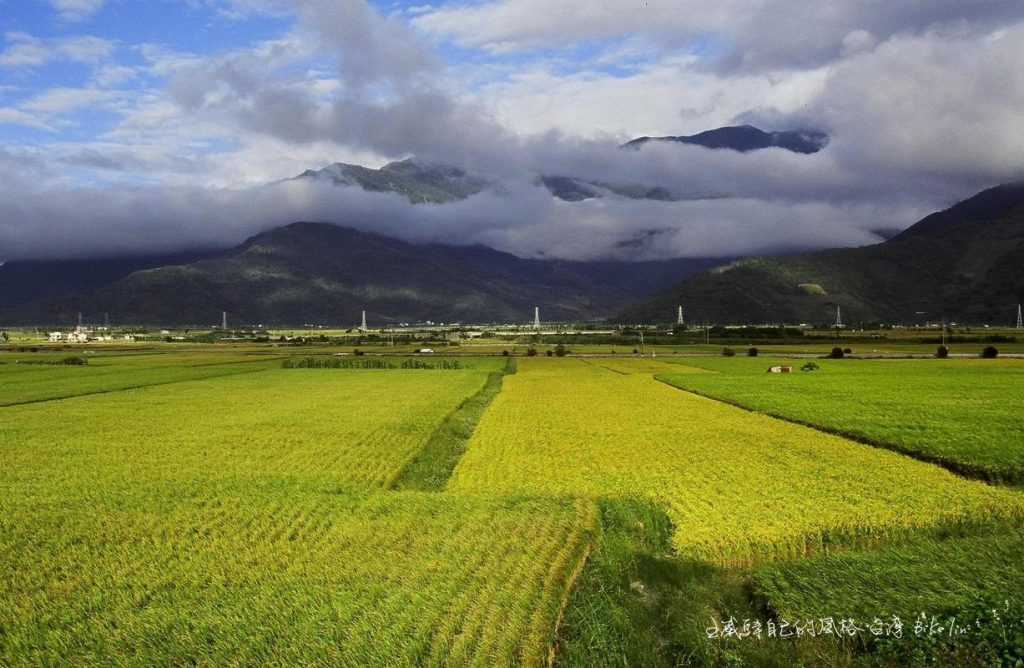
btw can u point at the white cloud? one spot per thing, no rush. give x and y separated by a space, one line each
77 10
10 116
24 50
763 35
670 97
113 75
942 105
64 100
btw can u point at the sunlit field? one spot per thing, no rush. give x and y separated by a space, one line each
259 506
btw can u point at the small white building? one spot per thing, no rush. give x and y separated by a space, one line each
781 369
56 337
425 351
78 336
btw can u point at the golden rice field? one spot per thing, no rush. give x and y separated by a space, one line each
332 428
217 509
284 577
739 487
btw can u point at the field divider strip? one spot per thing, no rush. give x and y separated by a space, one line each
958 468
593 530
112 390
429 469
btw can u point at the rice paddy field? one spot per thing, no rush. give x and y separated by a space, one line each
250 506
965 414
738 487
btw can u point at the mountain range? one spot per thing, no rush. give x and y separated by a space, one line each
419 182
962 264
322 273
426 182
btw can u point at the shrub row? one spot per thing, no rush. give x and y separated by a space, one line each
343 363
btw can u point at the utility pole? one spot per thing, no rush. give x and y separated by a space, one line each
363 326
641 343
1020 317
224 321
536 317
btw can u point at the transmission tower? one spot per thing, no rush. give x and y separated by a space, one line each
224 320
1020 317
839 317
679 317
363 326
536 317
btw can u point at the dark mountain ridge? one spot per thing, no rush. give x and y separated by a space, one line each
963 264
746 138
26 281
323 273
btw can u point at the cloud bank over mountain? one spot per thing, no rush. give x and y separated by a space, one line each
167 145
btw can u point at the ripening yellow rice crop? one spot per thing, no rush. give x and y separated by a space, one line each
738 486
236 574
331 427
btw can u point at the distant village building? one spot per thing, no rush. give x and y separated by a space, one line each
781 369
56 337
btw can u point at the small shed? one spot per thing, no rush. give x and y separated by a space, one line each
781 369
425 351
